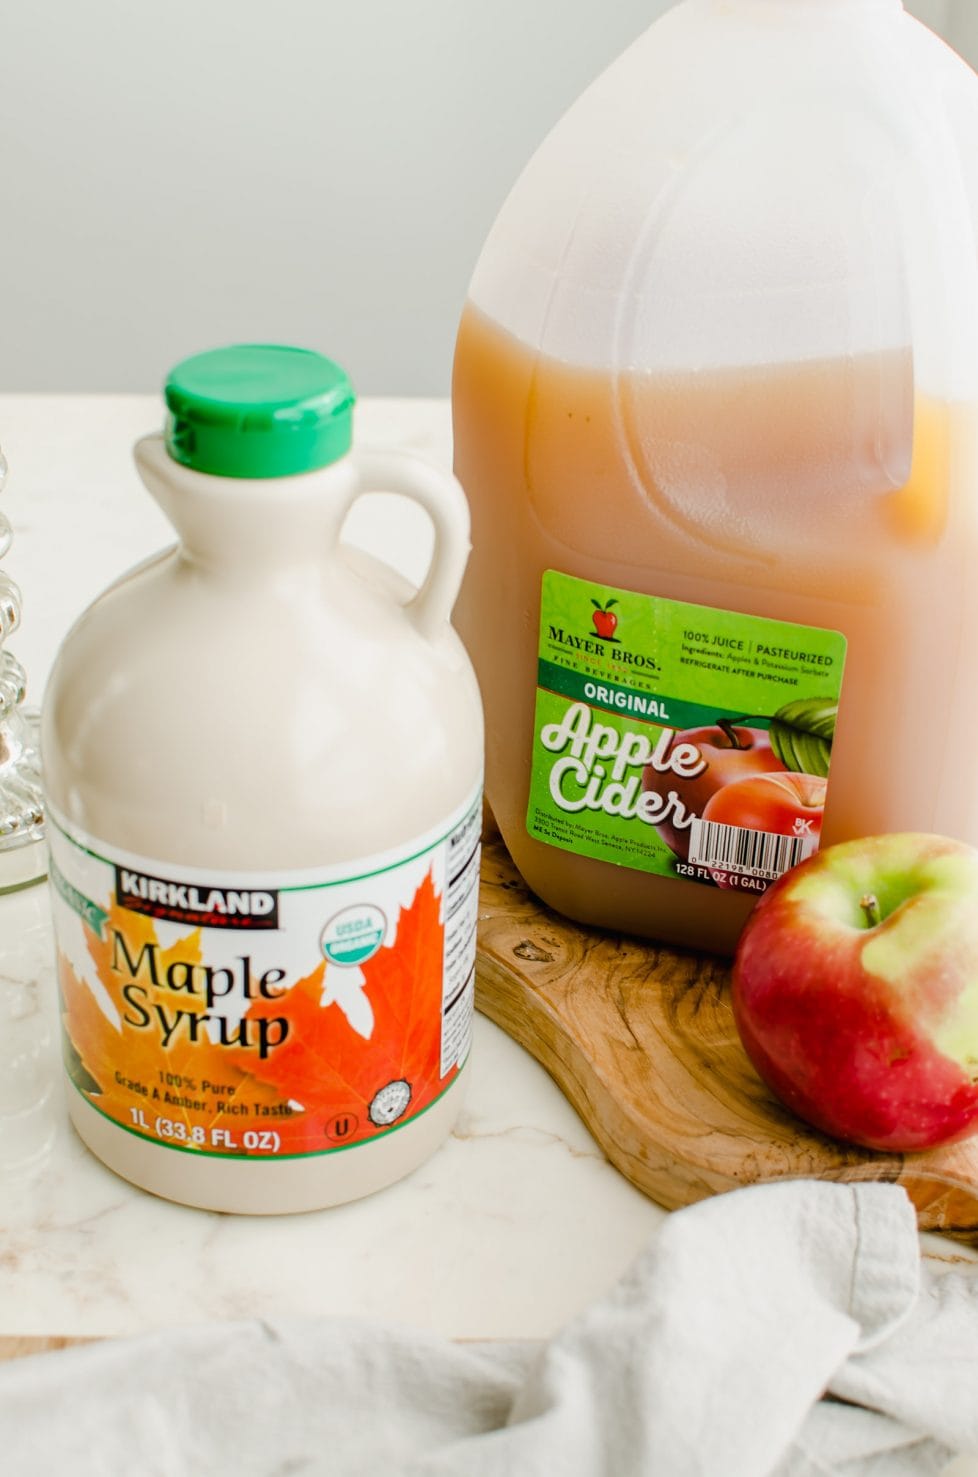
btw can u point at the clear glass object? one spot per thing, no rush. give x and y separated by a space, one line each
23 857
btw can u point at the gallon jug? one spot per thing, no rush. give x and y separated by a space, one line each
263 758
715 409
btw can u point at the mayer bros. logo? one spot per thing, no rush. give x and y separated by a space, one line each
603 641
605 620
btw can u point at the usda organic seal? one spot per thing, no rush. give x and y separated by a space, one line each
354 935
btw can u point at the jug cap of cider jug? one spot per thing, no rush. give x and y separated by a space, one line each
258 410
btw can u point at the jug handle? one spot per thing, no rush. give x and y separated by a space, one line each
442 498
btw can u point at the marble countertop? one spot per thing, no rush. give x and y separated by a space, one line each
507 1232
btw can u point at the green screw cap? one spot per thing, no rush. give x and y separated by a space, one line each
258 410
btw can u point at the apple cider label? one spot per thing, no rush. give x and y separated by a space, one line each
244 1015
680 740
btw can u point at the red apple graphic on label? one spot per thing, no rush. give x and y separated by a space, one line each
854 991
783 804
604 619
732 753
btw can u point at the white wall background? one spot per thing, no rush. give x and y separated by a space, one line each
183 175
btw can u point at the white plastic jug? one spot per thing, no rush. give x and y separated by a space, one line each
716 398
263 759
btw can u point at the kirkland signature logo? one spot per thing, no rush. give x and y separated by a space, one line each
201 906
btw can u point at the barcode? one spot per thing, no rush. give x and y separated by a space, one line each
749 853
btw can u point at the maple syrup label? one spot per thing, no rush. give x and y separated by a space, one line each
271 1016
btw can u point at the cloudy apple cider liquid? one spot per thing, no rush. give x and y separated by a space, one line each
742 580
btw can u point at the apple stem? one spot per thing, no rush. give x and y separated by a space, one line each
732 734
871 907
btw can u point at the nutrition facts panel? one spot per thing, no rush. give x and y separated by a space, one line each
461 915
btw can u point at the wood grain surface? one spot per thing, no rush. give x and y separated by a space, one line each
641 1039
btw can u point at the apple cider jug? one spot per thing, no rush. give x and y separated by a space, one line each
715 406
263 759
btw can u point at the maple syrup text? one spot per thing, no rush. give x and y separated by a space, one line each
199 984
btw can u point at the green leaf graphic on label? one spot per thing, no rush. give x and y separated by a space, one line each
78 1073
802 734
88 911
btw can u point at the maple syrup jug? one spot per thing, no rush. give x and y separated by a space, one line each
263 759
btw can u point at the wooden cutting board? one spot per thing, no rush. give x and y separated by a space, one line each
641 1040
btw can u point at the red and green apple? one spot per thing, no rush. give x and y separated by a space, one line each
855 991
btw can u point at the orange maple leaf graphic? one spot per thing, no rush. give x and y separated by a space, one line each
335 1073
316 1089
125 1063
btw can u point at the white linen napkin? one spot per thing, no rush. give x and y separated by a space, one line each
781 1331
